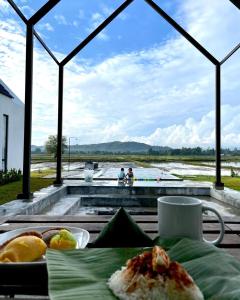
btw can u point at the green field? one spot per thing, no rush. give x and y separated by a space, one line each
37 158
230 182
9 191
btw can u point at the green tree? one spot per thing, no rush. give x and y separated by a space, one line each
37 150
51 145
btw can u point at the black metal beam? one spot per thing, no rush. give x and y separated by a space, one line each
45 47
26 194
42 11
18 11
236 3
96 31
218 184
183 32
58 180
230 53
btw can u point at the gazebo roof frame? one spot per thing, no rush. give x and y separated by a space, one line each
28 82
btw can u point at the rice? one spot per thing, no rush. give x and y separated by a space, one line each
143 288
119 286
152 276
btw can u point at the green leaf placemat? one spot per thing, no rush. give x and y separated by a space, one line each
83 273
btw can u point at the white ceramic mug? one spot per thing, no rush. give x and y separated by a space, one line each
180 216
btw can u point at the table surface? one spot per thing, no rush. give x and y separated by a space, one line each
95 223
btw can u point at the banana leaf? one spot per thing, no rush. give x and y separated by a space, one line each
83 273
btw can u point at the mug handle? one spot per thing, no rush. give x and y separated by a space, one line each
220 237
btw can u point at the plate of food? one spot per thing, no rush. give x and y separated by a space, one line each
29 245
185 270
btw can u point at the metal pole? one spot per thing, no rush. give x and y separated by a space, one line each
69 154
26 194
218 184
58 180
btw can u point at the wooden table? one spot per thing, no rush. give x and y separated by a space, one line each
94 224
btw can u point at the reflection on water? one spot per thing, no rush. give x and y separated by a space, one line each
186 169
224 164
139 173
159 170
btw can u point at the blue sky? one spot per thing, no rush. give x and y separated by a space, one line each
139 80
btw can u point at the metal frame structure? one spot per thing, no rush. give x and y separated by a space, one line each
5 142
217 64
26 194
62 64
29 79
236 3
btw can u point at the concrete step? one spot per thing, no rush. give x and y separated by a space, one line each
65 205
119 200
95 210
139 190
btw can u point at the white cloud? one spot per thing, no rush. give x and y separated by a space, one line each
61 20
193 133
103 36
213 24
81 14
96 20
75 23
107 11
46 26
163 95
27 10
4 6
98 17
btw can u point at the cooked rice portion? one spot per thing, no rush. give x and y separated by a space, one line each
151 276
140 288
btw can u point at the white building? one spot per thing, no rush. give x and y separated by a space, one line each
11 129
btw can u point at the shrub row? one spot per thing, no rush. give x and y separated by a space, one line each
10 176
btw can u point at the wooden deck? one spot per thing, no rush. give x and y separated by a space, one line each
94 224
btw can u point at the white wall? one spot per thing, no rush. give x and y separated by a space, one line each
14 108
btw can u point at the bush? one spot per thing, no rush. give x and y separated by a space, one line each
10 176
234 173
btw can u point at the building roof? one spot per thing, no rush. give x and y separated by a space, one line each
4 92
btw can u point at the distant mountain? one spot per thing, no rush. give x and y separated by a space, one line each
117 147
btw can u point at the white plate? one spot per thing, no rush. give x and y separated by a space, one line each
81 235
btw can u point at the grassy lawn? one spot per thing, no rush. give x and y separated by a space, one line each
9 191
230 182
